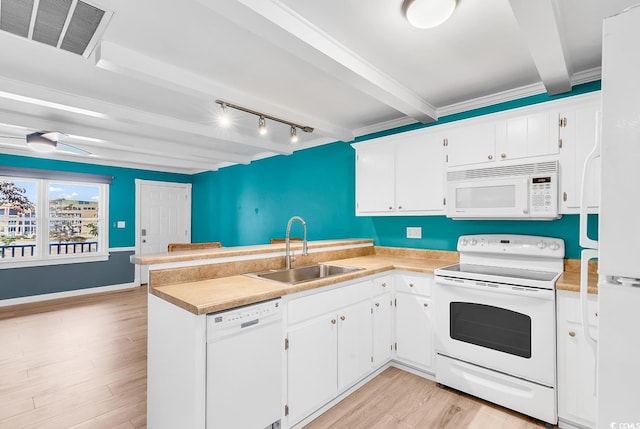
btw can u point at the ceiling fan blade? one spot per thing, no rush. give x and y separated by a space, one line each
54 136
71 149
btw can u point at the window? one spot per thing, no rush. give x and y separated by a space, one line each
48 221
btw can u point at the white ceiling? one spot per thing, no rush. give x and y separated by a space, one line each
145 97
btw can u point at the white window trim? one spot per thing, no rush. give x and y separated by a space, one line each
44 259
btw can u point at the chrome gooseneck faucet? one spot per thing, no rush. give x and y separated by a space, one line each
287 240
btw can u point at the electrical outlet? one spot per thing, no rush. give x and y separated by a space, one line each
414 232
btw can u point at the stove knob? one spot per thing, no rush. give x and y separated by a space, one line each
541 244
473 242
464 242
554 245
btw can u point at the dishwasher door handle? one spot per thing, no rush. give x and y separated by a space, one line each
249 323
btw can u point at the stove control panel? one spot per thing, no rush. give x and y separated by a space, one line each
512 244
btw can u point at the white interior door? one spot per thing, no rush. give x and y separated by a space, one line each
163 216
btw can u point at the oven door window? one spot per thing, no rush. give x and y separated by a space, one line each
491 327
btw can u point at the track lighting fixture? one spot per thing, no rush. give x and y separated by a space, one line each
262 126
262 123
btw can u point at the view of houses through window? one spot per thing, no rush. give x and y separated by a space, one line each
42 219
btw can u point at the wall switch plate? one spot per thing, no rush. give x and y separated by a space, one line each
120 224
414 232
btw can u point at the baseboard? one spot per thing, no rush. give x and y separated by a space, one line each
66 294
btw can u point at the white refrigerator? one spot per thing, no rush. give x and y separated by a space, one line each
618 358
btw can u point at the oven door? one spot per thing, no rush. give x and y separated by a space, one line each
510 329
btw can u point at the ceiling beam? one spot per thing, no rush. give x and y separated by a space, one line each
302 35
122 60
110 137
92 109
540 23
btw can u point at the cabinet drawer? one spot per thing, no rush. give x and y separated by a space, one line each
310 306
355 293
569 306
382 284
420 285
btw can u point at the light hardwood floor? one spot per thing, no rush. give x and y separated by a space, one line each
81 363
78 362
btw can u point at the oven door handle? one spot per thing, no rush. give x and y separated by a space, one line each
544 294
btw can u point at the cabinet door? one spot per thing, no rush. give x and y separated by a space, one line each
414 329
375 178
576 361
354 343
420 174
382 329
529 135
312 366
578 136
471 144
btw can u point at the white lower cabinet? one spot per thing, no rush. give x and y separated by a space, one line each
414 320
382 306
339 336
312 365
329 352
576 361
355 339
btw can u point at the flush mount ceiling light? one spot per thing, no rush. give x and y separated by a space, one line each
428 13
262 123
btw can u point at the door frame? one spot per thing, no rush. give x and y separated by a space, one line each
139 183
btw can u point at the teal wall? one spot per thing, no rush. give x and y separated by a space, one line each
122 191
248 204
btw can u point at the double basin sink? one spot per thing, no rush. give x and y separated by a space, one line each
304 274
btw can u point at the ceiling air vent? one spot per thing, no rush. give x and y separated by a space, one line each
71 25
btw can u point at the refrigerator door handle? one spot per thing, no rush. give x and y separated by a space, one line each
586 256
585 241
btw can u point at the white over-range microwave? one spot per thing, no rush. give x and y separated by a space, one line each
517 191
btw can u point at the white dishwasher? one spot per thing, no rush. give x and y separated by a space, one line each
244 367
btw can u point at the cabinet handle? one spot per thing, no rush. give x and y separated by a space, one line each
572 334
399 207
410 284
596 314
503 156
564 196
390 208
342 317
490 157
425 304
384 285
377 304
333 321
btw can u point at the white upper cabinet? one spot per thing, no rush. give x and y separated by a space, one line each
526 136
502 137
471 144
375 177
578 136
400 175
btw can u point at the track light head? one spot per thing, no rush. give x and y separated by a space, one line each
262 125
294 135
224 117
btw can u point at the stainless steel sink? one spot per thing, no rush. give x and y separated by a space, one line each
304 274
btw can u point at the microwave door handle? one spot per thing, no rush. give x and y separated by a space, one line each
585 241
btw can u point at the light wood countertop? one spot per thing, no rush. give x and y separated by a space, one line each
208 296
223 293
239 251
